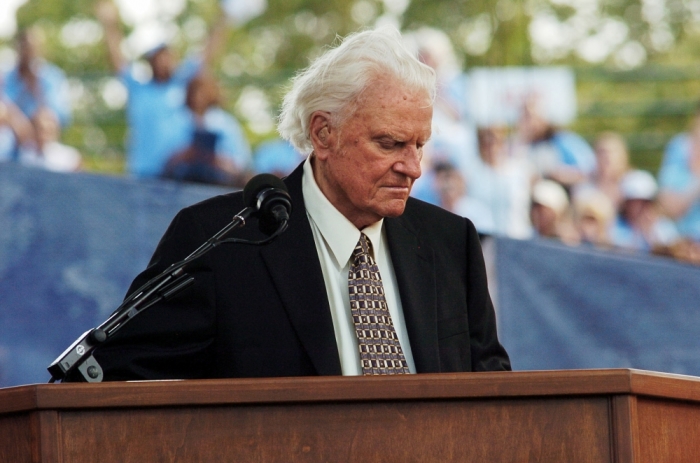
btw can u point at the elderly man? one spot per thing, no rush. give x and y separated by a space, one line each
365 281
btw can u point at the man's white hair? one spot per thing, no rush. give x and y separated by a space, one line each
335 80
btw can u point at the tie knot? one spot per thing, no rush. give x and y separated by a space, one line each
363 247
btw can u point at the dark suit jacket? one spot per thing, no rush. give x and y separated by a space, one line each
263 311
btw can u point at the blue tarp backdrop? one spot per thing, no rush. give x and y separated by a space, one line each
69 247
561 307
71 244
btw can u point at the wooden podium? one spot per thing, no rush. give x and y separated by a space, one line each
620 416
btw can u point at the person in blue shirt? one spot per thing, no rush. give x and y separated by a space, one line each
557 154
640 225
35 83
679 181
156 114
217 150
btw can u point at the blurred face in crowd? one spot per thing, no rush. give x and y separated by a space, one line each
162 64
594 212
491 145
202 93
450 185
544 219
27 47
637 210
590 228
611 157
367 164
532 125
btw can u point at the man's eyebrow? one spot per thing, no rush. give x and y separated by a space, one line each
388 134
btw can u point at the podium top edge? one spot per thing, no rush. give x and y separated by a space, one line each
438 386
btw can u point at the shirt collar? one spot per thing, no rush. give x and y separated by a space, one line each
339 233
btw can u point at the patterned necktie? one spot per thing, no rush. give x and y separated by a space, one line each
380 350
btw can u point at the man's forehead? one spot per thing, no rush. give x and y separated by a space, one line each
394 100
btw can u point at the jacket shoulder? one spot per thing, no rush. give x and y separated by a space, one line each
434 220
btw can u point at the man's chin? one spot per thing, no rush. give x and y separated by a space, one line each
394 209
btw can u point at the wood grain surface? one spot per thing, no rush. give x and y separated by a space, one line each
620 416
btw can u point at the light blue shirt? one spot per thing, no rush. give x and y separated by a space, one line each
574 151
505 192
675 176
159 122
53 91
564 148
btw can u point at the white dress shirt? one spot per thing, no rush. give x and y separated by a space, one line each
336 237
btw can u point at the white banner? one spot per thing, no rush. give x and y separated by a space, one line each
496 95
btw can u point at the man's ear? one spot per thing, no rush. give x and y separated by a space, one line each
320 132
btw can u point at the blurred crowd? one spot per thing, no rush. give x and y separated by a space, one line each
529 179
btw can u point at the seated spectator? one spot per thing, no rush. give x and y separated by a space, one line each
612 163
218 151
452 191
679 181
640 225
45 150
35 83
502 183
549 211
593 215
277 157
556 154
157 118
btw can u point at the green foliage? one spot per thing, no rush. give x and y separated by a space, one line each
54 12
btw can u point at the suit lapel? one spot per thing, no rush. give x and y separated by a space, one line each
296 273
415 274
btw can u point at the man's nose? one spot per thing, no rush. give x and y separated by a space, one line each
409 164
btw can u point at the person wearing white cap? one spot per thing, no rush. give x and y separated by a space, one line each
550 204
640 225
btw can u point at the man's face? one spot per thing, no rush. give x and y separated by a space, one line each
367 166
28 48
162 64
544 219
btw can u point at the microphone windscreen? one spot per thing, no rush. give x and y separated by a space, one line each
258 183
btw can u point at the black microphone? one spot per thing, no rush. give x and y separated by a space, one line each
267 194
